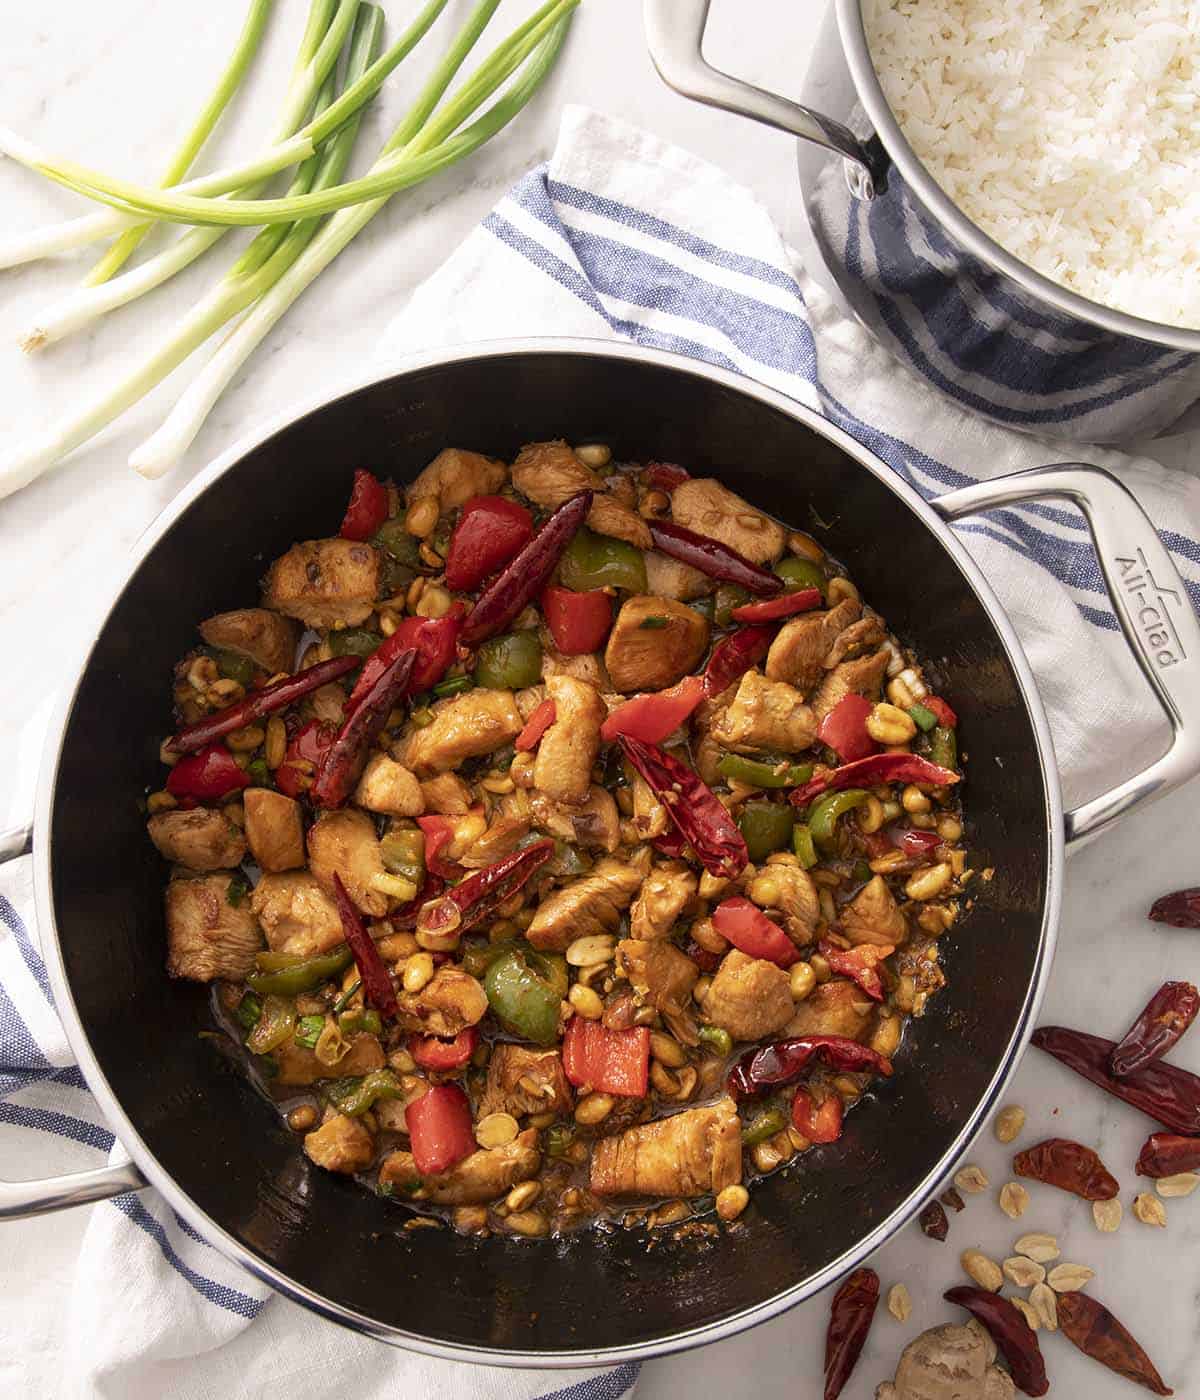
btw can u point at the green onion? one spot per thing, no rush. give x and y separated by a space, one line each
249 1011
455 686
652 624
922 718
308 1030
943 747
237 889
765 1124
346 998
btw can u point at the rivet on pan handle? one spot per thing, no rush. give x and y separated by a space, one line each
1151 603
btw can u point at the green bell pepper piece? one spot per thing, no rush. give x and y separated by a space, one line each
454 686
729 596
943 748
277 1022
233 666
524 989
766 827
476 958
402 850
765 1124
398 544
260 773
802 844
280 978
354 1096
511 662
598 561
825 811
354 641
800 573
762 773
350 1022
717 1038
923 718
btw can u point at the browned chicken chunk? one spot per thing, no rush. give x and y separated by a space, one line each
873 916
341 1145
446 794
653 643
587 667
866 633
595 824
550 473
296 914
325 583
387 786
207 935
522 1080
661 975
862 676
709 508
765 715
297 1064
671 578
454 476
669 889
592 904
479 722
450 1003
202 839
563 768
482 1176
345 842
266 638
800 647
749 997
274 831
834 1008
790 891
693 1153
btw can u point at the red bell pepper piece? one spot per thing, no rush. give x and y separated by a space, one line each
734 656
944 714
432 1052
344 759
713 558
306 747
578 622
439 832
434 640
859 964
818 1122
651 718
368 507
207 775
477 897
751 932
376 980
535 726
439 1129
490 530
787 605
911 841
666 476
867 772
614 1062
844 728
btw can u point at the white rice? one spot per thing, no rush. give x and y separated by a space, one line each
1068 130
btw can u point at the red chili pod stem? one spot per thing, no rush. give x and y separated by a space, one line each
850 1316
523 578
1168 1013
1068 1165
1014 1337
1169 1095
262 702
1098 1334
786 1060
376 980
1165 1154
344 758
467 903
713 558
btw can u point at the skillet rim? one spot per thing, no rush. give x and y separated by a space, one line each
211 1230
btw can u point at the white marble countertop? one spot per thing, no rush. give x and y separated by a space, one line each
108 85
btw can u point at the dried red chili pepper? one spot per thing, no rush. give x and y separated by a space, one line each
734 656
1181 909
713 558
787 605
952 1197
867 772
934 1221
665 475
859 964
524 576
1164 1154
818 1120
850 1316
1098 1334
261 703
376 980
1014 1337
434 639
439 833
786 1060
344 758
693 809
471 901
304 754
1168 1013
1166 1093
1068 1165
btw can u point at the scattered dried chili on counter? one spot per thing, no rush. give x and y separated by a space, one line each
1068 1165
850 1316
1014 1337
934 1221
1181 909
1168 1013
1165 1154
1098 1334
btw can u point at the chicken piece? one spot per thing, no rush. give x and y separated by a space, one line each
592 904
661 975
919 975
799 650
749 997
298 1065
341 1145
672 578
669 889
324 583
654 642
549 473
455 475
765 715
266 638
862 676
834 1008
522 1080
202 839
450 1003
296 914
207 935
274 831
587 667
328 704
387 786
866 633
446 794
563 768
872 916
345 842
482 1176
595 824
479 722
694 1153
706 754
791 891
709 508
649 815
528 698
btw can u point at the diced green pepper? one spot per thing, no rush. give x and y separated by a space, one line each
277 1022
802 844
800 573
397 543
763 773
766 827
524 989
350 1022
825 811
729 596
355 1096
717 1038
476 958
765 1124
308 1030
511 662
943 748
402 850
599 561
233 666
260 774
237 889
289 979
559 1137
923 718
354 641
249 1011
454 686
567 860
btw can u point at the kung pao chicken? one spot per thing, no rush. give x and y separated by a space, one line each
563 840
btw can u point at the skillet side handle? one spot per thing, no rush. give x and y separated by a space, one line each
674 36
21 1199
1151 603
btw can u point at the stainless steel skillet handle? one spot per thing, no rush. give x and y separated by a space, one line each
19 1199
675 34
1151 603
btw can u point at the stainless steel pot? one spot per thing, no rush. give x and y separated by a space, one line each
948 301
195 1128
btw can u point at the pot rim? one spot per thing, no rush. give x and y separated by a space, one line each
949 216
211 1229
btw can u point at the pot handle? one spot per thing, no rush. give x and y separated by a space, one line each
675 34
1151 603
19 1199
